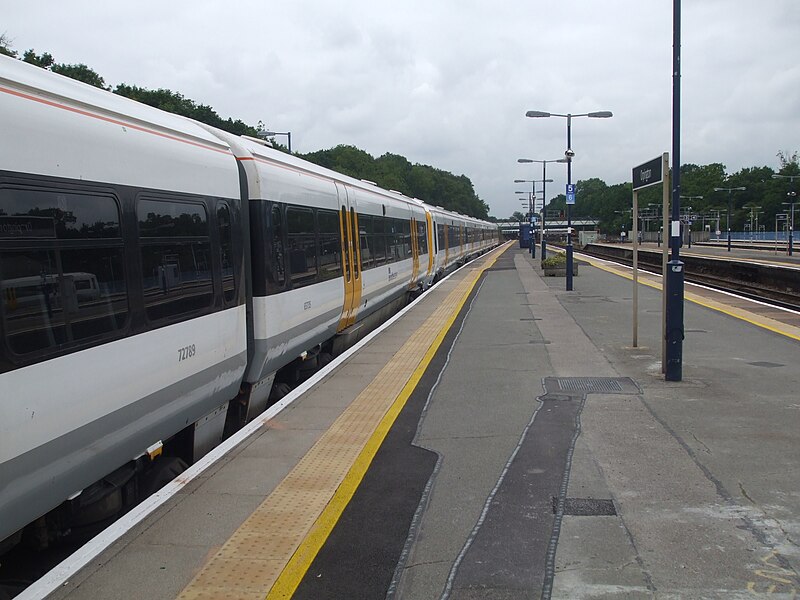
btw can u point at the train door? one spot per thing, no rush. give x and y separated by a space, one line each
446 245
351 256
431 233
414 253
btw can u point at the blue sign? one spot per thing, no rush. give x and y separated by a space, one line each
571 193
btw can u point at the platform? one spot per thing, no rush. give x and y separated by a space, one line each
502 439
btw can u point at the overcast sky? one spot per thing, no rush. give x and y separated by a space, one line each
447 82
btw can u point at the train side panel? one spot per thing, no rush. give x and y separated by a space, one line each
90 381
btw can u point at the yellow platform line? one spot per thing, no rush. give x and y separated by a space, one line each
742 314
271 551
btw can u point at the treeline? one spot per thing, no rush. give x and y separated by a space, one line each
394 172
390 171
763 198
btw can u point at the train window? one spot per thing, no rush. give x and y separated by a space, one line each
406 239
43 214
330 244
422 239
394 240
378 240
226 252
176 258
62 273
277 274
440 236
452 236
366 240
302 245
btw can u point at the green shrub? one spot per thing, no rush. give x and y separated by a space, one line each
555 261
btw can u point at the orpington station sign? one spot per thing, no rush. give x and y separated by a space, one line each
650 173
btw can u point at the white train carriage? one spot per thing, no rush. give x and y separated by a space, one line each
328 252
141 205
159 276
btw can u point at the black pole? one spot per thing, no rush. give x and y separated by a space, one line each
728 220
569 206
791 195
674 277
530 219
544 202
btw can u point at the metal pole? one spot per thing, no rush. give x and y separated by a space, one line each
544 201
664 257
569 206
791 229
531 206
289 136
675 273
635 270
728 220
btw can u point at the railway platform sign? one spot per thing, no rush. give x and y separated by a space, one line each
647 174
571 193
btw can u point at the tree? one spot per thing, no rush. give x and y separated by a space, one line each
80 72
517 216
175 103
5 46
44 61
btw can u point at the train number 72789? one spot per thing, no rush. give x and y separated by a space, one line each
185 352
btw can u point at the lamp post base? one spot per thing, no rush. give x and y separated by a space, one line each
569 267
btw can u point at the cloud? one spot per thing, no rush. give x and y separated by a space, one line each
448 83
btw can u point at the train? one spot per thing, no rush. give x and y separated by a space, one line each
163 282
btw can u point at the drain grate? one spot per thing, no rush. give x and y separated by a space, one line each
591 385
586 507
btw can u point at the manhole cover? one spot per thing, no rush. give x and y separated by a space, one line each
586 507
591 385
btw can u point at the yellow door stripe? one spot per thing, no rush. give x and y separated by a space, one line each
272 550
355 301
430 233
347 269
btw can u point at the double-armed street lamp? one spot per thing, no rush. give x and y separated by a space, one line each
792 195
730 199
544 192
568 155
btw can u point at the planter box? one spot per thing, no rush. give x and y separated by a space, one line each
560 271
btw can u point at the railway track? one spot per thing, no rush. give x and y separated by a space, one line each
772 284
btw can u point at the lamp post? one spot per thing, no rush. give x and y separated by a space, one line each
730 199
544 192
792 195
533 183
689 215
529 217
288 134
568 154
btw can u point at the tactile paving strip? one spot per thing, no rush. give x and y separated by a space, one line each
251 561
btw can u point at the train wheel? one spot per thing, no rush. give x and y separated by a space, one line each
162 472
